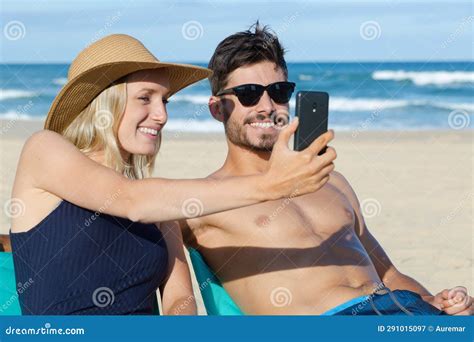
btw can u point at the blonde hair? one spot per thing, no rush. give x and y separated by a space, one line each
96 129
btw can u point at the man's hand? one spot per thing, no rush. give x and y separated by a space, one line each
455 301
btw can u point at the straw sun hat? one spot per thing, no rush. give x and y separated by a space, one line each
101 64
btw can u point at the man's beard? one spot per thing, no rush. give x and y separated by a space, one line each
236 133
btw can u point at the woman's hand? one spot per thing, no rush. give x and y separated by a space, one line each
291 173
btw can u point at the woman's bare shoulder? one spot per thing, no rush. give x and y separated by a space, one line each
36 201
43 142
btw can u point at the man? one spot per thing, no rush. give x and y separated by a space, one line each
309 254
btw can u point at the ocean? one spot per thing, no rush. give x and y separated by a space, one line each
363 96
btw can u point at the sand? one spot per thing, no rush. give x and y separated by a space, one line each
416 190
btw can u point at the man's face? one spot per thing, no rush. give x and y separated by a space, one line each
252 126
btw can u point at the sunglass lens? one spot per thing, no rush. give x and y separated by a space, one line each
281 92
249 94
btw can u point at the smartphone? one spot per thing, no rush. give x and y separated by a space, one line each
312 109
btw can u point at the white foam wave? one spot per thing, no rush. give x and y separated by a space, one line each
422 78
194 99
461 106
304 77
7 94
366 104
14 115
348 104
173 125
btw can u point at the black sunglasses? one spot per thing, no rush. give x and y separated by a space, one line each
250 94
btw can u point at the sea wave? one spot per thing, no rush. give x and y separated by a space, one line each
422 78
349 104
14 115
194 99
7 94
175 125
305 77
365 104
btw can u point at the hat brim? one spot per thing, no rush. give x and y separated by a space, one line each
80 91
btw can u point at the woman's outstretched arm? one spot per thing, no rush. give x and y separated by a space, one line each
51 163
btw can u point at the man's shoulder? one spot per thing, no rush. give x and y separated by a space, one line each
338 180
342 184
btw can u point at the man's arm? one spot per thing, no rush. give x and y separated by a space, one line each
455 301
388 273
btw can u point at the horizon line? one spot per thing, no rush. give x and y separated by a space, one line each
288 61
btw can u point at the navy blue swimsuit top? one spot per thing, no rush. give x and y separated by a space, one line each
80 262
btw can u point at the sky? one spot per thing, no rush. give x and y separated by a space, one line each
50 31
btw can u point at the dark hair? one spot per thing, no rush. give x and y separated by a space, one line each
245 48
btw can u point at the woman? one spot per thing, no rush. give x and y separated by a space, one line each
89 241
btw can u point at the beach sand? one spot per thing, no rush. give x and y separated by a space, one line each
415 188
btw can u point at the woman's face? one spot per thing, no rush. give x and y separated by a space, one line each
145 111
